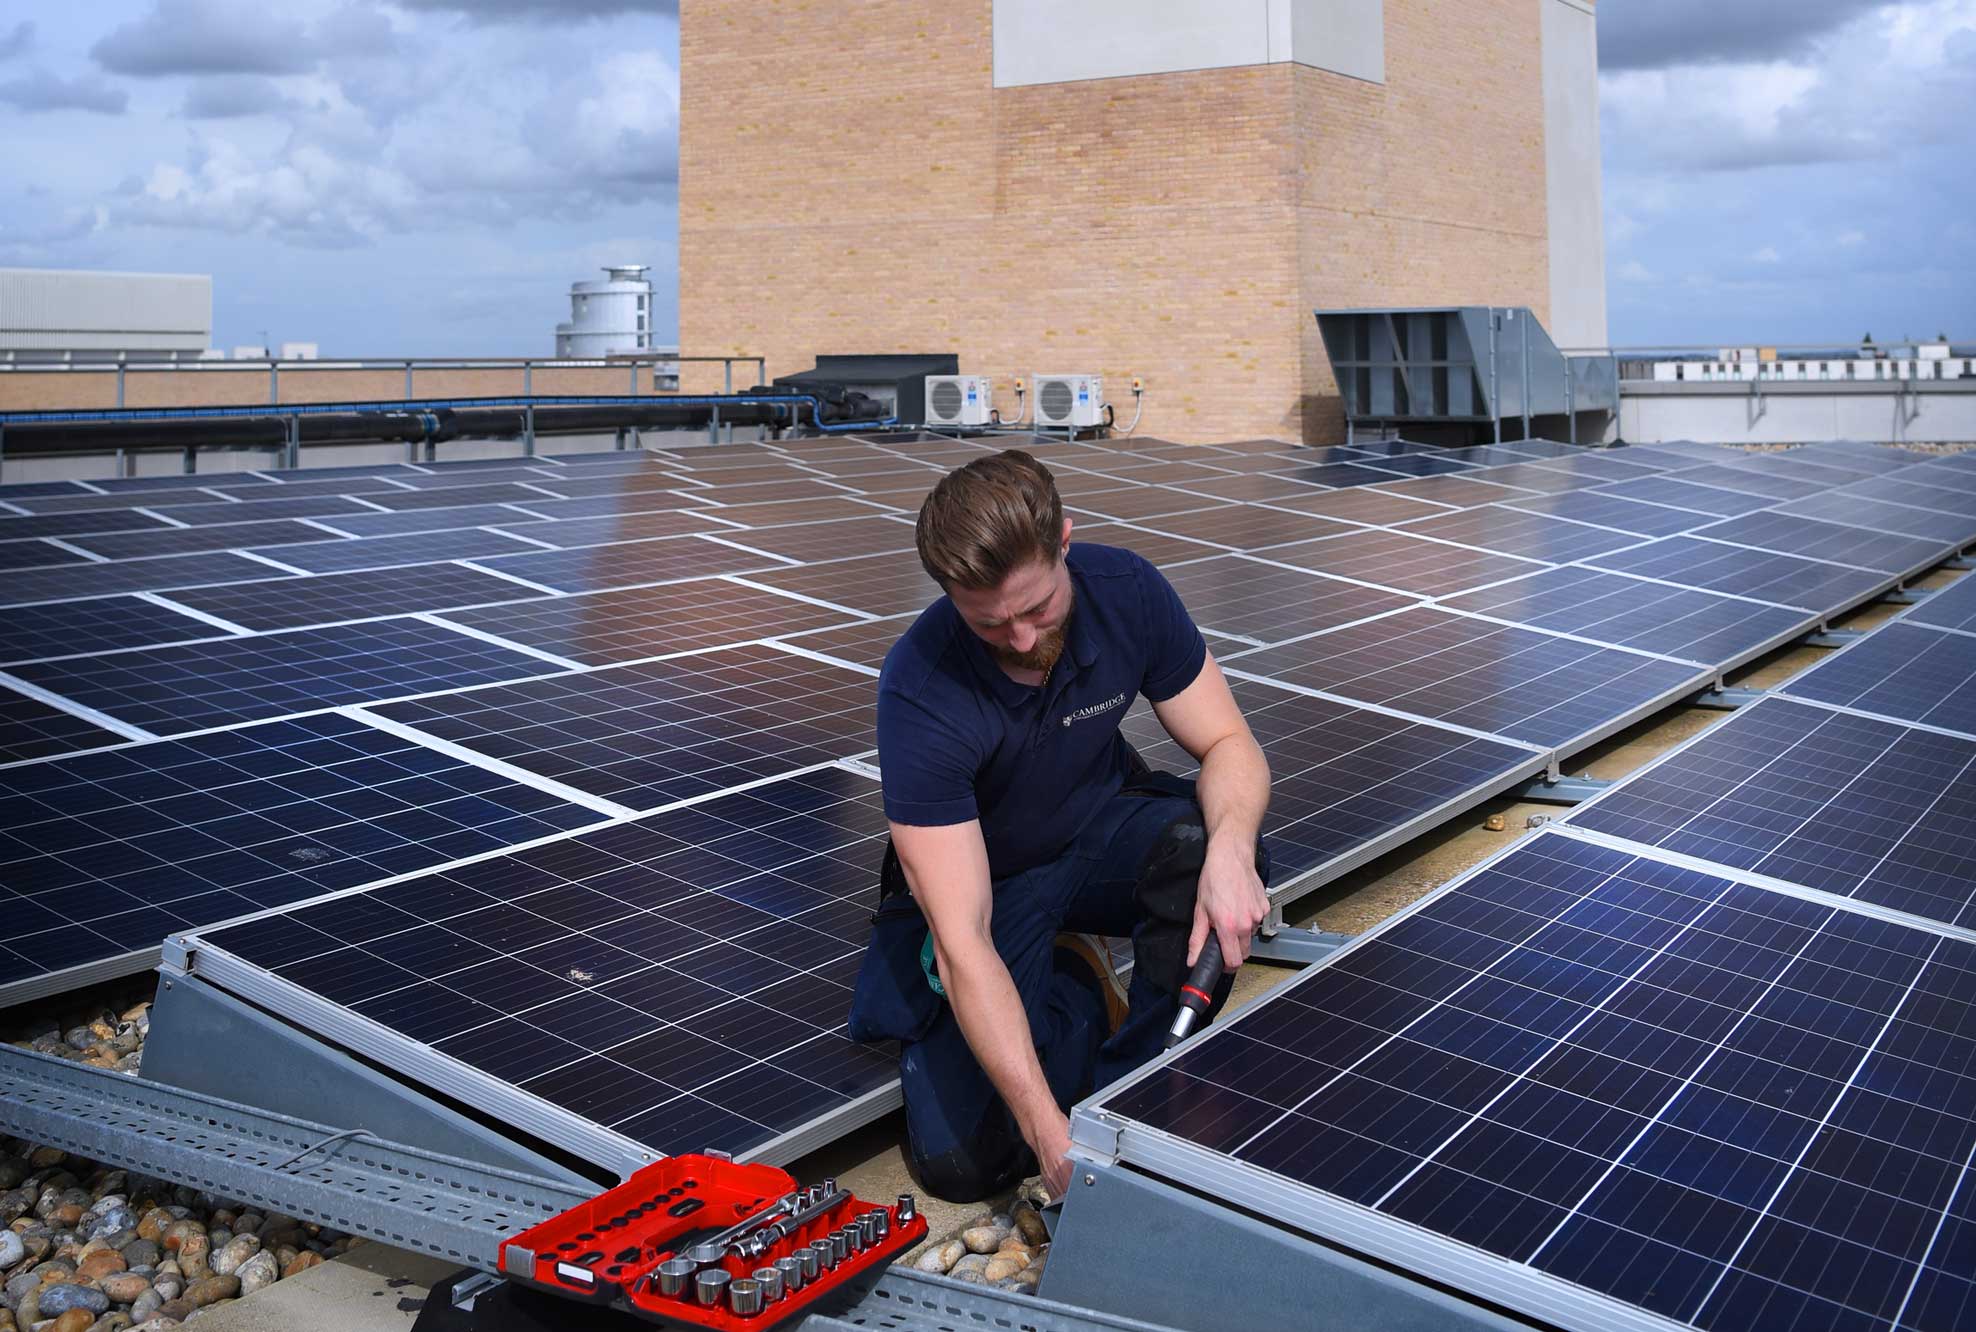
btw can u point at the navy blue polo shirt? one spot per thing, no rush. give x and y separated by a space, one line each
959 740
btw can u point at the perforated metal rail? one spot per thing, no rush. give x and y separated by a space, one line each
439 1205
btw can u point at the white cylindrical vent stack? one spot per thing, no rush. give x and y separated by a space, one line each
606 317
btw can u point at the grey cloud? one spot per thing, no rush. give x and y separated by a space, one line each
1657 34
502 11
40 90
220 96
18 42
207 37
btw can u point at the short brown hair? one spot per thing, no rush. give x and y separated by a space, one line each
988 519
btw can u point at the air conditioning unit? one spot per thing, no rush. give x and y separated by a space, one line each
1073 401
958 400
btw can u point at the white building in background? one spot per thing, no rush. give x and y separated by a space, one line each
50 315
1928 360
609 317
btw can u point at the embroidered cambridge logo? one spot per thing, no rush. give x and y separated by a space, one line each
1096 709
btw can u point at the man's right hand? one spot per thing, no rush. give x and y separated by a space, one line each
1051 1143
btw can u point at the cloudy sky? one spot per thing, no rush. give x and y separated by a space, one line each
426 177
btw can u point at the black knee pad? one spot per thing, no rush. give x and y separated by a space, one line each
961 1176
1169 886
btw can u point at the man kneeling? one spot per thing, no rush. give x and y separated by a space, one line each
1022 822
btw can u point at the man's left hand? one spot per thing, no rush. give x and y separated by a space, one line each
1231 902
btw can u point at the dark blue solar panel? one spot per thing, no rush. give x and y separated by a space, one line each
1509 681
1525 474
648 734
1952 607
564 533
1898 488
1853 806
1752 477
1242 526
193 540
67 524
30 489
102 854
1680 494
1630 612
1728 1107
333 556
1591 506
172 690
1530 535
1834 542
1712 566
334 598
78 628
1342 777
451 496
261 510
1232 594
1422 464
1403 562
177 481
1842 506
31 729
36 554
1341 474
428 520
704 955
631 563
75 581
1904 671
1601 467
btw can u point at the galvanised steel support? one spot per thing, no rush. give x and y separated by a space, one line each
1728 700
274 384
1909 596
1295 946
1834 638
120 383
1560 790
416 1200
1523 325
1495 399
528 430
408 381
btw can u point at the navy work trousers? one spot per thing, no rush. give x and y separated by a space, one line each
964 1141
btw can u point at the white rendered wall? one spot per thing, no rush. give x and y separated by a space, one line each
1061 41
78 310
1571 174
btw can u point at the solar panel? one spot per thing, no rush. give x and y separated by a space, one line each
1346 783
647 735
1341 474
484 477
1157 547
1252 487
1622 515
452 496
1143 503
1898 489
680 983
105 853
1842 506
1834 542
568 532
1600 467
629 564
599 628
603 506
194 540
1854 458
1951 472
66 524
14 490
77 581
1526 474
1362 506
172 690
776 513
1905 671
178 481
860 643
266 510
292 603
1755 479
1866 809
1423 464
1951 607
872 535
1515 532
1679 494
874 584
37 554
160 500
1265 603
1458 491
428 520
77 628
1246 527
1784 579
32 729
330 556
1630 612
1403 563
1519 683
1604 1092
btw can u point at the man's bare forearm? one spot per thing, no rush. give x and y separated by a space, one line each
997 1029
1233 788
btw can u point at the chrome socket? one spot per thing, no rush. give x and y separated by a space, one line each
674 1273
826 1255
744 1296
811 1259
792 1274
908 1209
709 1285
771 1282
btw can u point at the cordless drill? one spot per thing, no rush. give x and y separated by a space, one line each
1197 994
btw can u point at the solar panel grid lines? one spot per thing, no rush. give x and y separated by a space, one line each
631 563
1750 477
1714 566
1504 680
1675 493
1510 531
1459 491
320 601
1401 561
818 542
555 937
1900 671
1952 607
1835 543
195 540
102 854
1874 811
1267 603
88 521
81 628
1842 506
860 643
1602 1220
37 725
1245 527
1897 488
42 553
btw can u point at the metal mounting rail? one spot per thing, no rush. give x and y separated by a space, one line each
342 1178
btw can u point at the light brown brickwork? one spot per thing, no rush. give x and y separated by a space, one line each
248 386
851 181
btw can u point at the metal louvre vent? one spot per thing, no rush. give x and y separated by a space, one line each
946 399
1054 400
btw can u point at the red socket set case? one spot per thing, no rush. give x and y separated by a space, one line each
700 1241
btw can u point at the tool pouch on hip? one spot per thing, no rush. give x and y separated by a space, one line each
1169 885
893 1001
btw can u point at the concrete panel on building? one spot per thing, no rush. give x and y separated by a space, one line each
45 310
1796 414
1046 41
1571 174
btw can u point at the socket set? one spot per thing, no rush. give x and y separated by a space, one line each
703 1242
